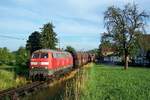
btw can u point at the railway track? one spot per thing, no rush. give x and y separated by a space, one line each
15 93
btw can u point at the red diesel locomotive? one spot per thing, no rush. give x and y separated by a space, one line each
45 63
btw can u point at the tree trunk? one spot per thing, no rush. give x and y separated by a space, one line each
126 61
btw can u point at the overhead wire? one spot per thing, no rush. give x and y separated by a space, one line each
12 37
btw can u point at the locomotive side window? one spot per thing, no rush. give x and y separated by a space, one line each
44 55
60 55
35 55
57 55
54 55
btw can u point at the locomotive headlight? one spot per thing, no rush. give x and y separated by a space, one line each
34 63
46 68
32 67
44 63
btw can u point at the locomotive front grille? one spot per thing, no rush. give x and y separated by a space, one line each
40 71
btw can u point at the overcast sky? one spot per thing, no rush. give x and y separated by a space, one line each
78 23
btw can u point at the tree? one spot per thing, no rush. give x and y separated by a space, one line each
148 55
124 26
21 56
12 58
6 57
34 42
144 42
48 36
70 49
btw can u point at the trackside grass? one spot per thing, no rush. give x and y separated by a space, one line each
9 79
6 79
106 82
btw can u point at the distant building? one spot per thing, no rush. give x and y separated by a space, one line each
109 56
108 53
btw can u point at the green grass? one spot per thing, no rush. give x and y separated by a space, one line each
6 79
9 79
113 83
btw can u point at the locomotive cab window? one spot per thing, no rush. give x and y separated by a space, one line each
44 55
35 55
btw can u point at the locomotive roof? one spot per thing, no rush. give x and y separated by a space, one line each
48 50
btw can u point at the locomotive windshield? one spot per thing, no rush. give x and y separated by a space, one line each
44 55
40 55
36 55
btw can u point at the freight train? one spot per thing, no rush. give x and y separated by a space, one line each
46 63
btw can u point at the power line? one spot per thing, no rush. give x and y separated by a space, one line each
11 37
14 33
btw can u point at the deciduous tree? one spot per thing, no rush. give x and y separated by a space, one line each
125 26
6 57
70 49
21 56
34 42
